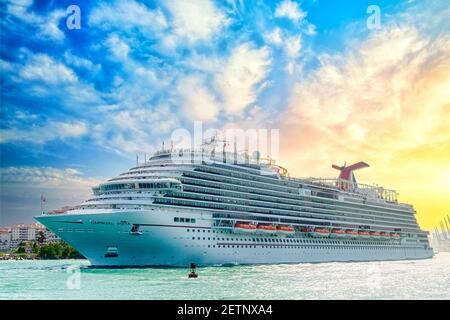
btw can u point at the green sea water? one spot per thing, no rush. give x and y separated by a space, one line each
73 279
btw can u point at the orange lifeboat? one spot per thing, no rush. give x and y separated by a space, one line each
375 234
266 228
320 232
385 235
364 234
338 233
244 227
286 229
351 233
304 229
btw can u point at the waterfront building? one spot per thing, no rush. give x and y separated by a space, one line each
5 239
12 236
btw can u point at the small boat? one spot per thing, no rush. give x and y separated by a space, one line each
351 233
193 274
244 227
266 228
395 235
320 232
338 233
385 235
364 234
285 229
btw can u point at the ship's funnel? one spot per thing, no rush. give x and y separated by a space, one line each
347 174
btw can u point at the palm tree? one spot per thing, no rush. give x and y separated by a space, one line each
40 237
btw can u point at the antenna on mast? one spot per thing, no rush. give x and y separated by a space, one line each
137 160
235 150
43 200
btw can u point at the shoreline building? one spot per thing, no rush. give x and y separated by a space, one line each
12 236
5 239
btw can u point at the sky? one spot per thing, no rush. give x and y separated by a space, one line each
77 105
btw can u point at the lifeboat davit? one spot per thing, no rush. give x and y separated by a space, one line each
266 228
351 233
244 227
285 229
375 234
320 232
338 233
364 234
385 235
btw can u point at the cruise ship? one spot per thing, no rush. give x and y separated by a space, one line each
228 208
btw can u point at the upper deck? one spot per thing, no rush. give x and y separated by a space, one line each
268 167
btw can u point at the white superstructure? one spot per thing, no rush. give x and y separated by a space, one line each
196 206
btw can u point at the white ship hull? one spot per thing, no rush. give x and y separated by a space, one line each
105 238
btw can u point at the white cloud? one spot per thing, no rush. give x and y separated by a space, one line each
19 9
391 87
133 129
117 47
310 29
193 21
49 28
274 37
46 132
25 116
241 73
38 177
209 64
47 25
6 66
22 186
292 46
43 76
290 10
79 62
43 68
197 102
71 129
127 15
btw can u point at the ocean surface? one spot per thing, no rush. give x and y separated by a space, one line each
73 279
